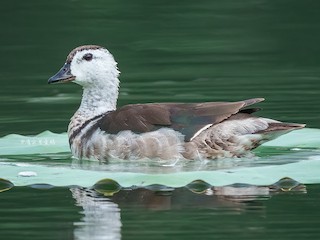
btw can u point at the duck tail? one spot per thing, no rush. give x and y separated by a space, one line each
277 129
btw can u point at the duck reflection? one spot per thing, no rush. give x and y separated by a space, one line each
102 206
101 218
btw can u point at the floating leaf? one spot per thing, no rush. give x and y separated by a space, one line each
198 186
287 184
107 187
5 185
48 142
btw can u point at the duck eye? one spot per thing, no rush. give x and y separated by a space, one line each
87 57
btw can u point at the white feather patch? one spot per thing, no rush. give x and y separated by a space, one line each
200 131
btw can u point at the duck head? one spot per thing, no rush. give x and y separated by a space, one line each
88 66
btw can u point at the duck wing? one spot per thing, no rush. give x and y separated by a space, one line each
187 118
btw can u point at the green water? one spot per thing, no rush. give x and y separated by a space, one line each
58 213
185 51
221 50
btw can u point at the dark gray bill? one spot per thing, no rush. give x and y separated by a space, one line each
64 75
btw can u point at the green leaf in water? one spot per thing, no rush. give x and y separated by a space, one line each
5 185
198 186
48 142
107 187
287 184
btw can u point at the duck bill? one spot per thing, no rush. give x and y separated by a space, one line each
64 75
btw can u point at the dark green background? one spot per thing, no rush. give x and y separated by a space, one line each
168 50
211 50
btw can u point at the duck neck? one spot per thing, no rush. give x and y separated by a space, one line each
97 100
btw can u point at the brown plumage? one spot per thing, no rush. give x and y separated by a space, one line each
187 118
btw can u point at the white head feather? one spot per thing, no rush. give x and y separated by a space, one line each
98 77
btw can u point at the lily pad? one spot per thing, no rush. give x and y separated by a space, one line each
303 168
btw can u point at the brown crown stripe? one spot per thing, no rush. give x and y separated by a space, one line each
81 48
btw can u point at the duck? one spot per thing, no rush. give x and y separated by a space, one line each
99 130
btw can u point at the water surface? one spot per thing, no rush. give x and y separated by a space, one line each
172 51
59 213
167 51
